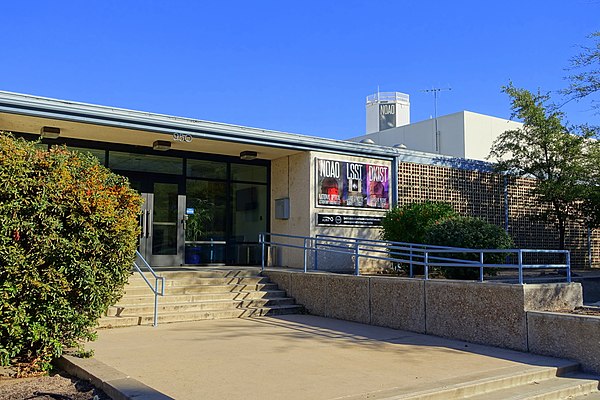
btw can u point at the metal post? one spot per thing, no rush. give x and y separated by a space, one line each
356 262
155 302
316 253
520 257
410 268
589 243
426 265
305 255
568 266
261 239
481 267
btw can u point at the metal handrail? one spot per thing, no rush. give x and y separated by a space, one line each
153 288
413 254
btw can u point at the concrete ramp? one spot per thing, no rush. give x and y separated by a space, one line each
308 357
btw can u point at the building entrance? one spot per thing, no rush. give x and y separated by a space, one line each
210 215
162 225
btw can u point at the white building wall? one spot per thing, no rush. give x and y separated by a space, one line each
463 134
481 131
420 136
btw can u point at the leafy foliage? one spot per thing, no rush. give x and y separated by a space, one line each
68 234
471 233
563 161
586 79
409 223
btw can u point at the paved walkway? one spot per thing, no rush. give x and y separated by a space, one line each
296 357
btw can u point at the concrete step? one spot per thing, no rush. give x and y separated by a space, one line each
483 384
244 295
164 307
198 289
191 281
556 388
203 273
113 322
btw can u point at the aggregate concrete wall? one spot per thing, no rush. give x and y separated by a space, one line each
480 312
398 303
486 313
576 337
551 297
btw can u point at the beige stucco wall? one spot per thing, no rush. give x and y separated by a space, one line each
295 177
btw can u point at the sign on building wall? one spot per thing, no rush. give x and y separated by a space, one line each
387 116
351 184
348 220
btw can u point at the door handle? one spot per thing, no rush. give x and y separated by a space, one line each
149 226
144 223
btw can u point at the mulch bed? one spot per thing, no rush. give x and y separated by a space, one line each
55 386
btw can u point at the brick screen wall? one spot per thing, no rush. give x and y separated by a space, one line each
482 194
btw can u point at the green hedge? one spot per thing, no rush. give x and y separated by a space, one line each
68 235
472 233
410 222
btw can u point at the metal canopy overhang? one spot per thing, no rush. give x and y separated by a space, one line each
139 122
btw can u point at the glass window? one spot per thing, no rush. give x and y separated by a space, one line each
206 209
98 153
164 220
206 169
144 163
249 173
249 211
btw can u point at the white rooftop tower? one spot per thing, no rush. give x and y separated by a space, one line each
387 110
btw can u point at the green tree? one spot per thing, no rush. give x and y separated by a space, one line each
585 80
68 235
563 160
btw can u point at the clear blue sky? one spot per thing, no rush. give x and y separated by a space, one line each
303 66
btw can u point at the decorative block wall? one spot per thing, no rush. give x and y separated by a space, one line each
482 194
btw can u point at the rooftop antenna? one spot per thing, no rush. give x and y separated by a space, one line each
435 92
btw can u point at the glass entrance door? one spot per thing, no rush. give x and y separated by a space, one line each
162 225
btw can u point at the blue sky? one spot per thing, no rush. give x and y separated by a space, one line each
303 67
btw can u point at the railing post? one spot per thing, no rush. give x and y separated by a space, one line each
410 263
305 254
568 266
317 252
426 265
481 267
356 261
520 257
155 302
261 239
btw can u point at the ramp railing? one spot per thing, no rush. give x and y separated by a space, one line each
415 254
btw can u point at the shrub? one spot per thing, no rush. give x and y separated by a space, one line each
473 233
409 223
68 234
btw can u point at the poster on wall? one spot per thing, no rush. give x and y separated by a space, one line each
351 184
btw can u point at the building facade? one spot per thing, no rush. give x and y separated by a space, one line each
210 189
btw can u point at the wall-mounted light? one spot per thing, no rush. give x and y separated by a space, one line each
248 155
50 132
161 145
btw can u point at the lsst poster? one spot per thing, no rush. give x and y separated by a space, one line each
351 184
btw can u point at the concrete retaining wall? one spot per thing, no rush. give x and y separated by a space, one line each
480 312
576 337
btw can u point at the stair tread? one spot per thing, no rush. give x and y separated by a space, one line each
568 385
281 306
162 301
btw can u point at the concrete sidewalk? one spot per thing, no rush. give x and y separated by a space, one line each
299 357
